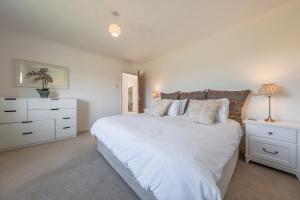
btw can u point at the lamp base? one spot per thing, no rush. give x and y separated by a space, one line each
269 119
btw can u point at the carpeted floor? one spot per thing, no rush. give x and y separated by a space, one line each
73 170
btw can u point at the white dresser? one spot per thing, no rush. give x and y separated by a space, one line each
274 144
28 121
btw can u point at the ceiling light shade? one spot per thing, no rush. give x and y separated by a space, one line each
114 30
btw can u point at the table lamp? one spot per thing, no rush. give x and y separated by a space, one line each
269 90
155 95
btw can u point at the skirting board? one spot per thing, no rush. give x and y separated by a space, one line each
83 131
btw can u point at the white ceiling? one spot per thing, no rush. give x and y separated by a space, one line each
150 27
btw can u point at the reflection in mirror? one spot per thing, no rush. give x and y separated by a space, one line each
130 99
130 94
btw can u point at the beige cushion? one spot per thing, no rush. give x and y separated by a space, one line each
160 107
237 100
202 111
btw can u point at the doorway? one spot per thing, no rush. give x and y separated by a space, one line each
130 94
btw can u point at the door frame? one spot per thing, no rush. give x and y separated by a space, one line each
121 91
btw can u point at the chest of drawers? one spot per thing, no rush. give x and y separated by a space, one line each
274 144
28 121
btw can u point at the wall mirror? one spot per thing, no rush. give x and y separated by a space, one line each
60 74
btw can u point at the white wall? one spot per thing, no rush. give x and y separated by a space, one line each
262 50
93 79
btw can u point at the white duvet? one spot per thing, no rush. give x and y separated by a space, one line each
175 158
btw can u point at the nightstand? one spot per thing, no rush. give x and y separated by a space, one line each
274 144
147 110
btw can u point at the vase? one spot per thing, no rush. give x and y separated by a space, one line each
44 93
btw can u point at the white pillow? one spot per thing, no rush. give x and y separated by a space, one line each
160 107
202 111
223 111
182 105
177 107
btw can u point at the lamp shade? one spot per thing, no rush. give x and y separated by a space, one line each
155 95
114 30
269 90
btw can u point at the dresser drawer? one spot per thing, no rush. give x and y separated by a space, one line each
51 114
65 122
278 152
10 116
17 134
66 132
13 110
12 104
47 103
276 133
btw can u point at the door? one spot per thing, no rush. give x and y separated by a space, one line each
130 96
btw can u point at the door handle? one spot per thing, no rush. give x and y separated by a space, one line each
274 153
54 109
66 117
66 127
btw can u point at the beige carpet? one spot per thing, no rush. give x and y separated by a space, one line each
73 169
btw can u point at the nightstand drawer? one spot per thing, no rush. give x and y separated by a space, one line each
275 133
277 152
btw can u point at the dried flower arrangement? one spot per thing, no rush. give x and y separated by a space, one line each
41 75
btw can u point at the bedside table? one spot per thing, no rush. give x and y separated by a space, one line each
147 110
274 144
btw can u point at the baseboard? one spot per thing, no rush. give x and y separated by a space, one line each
83 131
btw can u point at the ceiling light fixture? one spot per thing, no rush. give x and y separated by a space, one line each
114 28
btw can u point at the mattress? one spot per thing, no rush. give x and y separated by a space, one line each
143 194
172 157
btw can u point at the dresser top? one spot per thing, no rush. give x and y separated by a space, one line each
10 97
282 124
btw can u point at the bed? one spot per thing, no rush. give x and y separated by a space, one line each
170 157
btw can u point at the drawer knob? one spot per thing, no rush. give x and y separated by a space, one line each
10 99
9 111
274 153
27 133
26 122
270 133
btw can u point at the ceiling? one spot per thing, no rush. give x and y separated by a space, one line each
150 28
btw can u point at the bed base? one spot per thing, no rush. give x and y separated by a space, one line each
125 173
143 194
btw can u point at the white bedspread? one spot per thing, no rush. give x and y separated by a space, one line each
175 158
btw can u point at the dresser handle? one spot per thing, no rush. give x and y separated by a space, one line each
28 133
54 109
66 127
270 133
67 118
26 122
9 111
276 152
10 99
54 99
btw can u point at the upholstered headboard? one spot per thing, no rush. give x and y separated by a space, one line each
237 99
